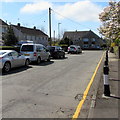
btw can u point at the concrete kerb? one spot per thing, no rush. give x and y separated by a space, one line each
90 102
96 82
92 110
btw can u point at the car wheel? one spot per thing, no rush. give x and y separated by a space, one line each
48 58
63 56
7 67
38 60
27 62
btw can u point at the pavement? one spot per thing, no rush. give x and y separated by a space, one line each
108 107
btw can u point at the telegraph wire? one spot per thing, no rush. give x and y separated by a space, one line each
70 19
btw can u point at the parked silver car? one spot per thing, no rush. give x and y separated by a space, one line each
74 49
35 52
10 59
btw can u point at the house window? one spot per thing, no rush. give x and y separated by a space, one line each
93 42
93 46
85 39
85 42
28 37
93 39
86 46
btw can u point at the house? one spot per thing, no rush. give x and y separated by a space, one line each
25 34
3 30
85 39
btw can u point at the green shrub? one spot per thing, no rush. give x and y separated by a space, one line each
10 48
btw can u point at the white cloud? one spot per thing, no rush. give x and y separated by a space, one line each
35 7
80 11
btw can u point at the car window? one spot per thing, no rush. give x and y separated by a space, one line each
58 48
39 48
14 54
51 48
2 53
27 48
9 54
44 48
72 47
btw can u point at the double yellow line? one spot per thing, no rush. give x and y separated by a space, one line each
78 109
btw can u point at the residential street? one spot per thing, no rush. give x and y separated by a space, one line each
48 90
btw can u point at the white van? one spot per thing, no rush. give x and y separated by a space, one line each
35 52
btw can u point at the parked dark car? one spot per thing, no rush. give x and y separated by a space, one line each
56 51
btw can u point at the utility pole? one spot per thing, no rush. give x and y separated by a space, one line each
54 37
50 26
59 31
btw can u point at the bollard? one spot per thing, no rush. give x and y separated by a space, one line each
106 81
107 56
106 63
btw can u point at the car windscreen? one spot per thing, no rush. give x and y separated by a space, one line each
27 48
2 53
51 49
72 47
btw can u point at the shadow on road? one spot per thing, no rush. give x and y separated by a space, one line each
76 53
43 63
46 63
59 58
116 97
15 70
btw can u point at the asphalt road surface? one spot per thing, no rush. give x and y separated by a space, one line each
48 90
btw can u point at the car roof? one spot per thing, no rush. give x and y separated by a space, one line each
7 51
74 46
32 44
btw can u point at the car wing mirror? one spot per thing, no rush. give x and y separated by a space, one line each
20 54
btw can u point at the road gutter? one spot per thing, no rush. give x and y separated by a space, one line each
78 109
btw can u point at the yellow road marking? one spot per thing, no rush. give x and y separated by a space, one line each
77 112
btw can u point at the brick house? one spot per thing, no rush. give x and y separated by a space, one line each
3 30
85 39
30 34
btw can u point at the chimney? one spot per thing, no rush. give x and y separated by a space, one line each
34 27
18 24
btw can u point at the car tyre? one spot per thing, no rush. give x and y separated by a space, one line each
48 59
38 60
27 62
63 56
7 67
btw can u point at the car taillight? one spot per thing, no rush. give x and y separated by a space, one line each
35 54
75 49
1 57
68 48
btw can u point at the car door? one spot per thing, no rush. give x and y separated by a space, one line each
16 59
41 52
45 53
60 52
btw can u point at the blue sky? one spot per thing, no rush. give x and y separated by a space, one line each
78 15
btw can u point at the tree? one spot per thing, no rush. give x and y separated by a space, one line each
66 41
10 38
110 18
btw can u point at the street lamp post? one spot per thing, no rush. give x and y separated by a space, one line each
59 31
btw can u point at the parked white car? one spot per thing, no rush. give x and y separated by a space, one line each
74 49
10 59
35 52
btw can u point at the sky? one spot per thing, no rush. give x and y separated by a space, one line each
69 15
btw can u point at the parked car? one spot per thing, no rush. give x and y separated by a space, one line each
74 49
56 51
10 59
35 52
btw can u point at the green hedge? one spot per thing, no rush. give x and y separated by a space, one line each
10 48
